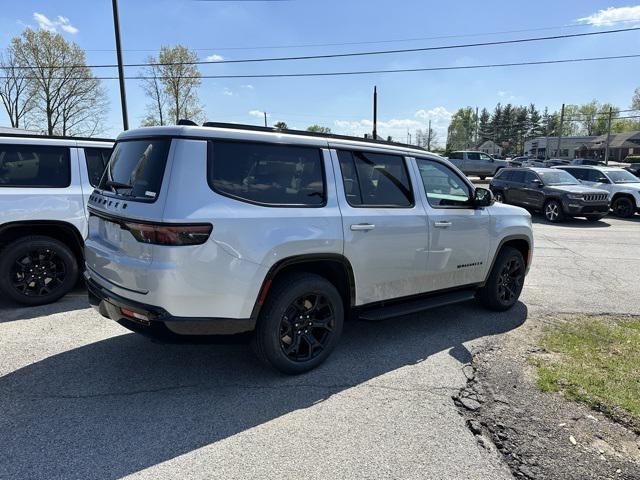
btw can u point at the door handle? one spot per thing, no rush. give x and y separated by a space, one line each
442 224
362 226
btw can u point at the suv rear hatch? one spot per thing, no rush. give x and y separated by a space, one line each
122 211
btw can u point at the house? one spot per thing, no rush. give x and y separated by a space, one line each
620 146
570 147
490 147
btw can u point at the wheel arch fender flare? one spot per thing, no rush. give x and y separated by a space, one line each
63 231
520 242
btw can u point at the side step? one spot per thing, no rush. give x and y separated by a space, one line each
415 306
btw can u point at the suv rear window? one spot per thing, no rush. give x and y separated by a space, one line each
267 174
34 166
136 168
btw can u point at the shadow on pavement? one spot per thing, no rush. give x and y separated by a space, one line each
118 406
572 222
76 300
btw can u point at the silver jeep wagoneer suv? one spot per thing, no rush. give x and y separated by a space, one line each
224 229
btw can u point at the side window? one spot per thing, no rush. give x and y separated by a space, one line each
97 159
517 177
529 177
484 157
504 175
444 188
473 156
34 166
579 173
593 175
267 174
374 179
456 156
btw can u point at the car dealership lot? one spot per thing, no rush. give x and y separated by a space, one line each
81 397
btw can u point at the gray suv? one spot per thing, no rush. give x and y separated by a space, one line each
479 164
225 229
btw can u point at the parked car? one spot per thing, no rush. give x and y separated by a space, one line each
585 161
623 186
634 168
517 161
45 183
229 229
553 192
477 163
533 162
554 162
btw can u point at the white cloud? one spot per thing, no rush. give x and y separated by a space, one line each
248 87
612 15
227 92
63 23
215 58
437 114
257 113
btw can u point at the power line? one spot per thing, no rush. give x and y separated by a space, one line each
372 42
357 72
344 55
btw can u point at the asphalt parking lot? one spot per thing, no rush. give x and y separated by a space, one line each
80 397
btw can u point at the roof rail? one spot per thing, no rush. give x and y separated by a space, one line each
55 137
256 128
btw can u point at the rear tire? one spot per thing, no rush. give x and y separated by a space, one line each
505 282
623 207
553 211
37 270
300 323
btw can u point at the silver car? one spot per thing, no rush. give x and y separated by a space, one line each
230 229
479 164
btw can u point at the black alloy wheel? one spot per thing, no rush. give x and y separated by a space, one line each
505 282
623 207
511 280
306 327
37 270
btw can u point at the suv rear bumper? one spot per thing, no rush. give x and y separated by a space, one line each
154 320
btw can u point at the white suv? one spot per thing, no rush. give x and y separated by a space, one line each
229 229
45 183
623 186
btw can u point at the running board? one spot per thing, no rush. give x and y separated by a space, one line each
415 306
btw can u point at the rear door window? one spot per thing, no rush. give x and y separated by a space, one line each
34 166
473 156
97 159
517 177
267 174
136 168
375 180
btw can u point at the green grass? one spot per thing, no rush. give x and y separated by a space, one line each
596 361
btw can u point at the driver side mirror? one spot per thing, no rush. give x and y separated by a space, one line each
483 197
537 182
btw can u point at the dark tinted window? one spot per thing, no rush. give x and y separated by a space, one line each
267 174
579 173
34 166
97 159
504 175
473 156
517 176
529 177
136 168
382 180
442 185
456 156
594 175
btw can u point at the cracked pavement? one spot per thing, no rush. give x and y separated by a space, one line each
81 397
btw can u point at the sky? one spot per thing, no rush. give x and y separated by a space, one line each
406 101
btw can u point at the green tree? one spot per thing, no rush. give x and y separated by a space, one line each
68 99
635 100
461 129
180 79
484 126
281 126
535 122
318 129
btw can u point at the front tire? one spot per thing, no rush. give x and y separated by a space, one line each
622 207
37 270
300 323
553 211
503 288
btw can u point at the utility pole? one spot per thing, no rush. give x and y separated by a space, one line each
476 140
375 112
123 94
560 131
265 119
606 152
429 137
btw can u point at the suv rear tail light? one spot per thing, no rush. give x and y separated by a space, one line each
174 235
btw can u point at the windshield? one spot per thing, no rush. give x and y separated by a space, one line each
622 176
136 168
558 177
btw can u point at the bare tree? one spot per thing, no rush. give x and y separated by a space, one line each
154 89
15 91
67 97
180 80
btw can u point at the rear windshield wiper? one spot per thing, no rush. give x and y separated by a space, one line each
116 185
